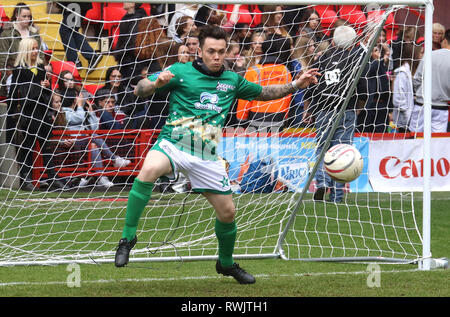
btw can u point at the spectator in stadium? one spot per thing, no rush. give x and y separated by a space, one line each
124 52
30 92
192 43
272 21
183 54
156 106
302 58
255 53
20 27
321 48
374 116
312 26
186 9
406 35
184 25
440 94
438 35
167 53
73 40
81 118
243 35
66 80
403 92
150 33
109 119
126 103
230 23
209 15
235 63
58 116
198 110
323 100
269 115
293 17
233 60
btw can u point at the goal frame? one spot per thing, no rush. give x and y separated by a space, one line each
426 261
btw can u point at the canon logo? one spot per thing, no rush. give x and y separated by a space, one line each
392 167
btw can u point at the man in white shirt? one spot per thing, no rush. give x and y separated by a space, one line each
440 95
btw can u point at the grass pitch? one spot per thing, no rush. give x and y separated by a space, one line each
94 221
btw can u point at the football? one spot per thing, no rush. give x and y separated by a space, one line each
343 162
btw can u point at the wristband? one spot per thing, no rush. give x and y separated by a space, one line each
294 84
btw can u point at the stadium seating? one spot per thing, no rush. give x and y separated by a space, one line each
390 26
95 13
112 14
328 17
353 15
3 17
92 88
59 66
147 8
250 15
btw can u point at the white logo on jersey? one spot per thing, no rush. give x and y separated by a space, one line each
333 76
211 102
224 87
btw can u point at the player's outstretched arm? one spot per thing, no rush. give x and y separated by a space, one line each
145 87
279 91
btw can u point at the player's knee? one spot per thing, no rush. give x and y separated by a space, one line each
149 173
227 213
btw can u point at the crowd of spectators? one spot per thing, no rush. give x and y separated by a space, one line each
288 39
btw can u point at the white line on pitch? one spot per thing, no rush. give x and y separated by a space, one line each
101 281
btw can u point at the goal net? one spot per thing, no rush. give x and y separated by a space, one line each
74 136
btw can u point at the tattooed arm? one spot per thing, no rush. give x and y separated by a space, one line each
273 92
145 87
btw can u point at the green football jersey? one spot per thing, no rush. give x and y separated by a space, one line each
199 105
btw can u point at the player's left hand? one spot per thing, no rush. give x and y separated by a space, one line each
307 78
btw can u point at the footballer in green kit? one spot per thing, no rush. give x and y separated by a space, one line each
201 95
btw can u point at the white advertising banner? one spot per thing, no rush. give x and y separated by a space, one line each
397 165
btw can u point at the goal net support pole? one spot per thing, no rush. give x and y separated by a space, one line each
347 94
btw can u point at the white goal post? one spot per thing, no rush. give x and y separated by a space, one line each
83 225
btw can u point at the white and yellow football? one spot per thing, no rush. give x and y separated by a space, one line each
343 162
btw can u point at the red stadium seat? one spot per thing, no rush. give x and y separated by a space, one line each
323 8
95 13
111 17
353 15
59 66
93 88
327 17
147 8
390 26
247 15
3 17
115 5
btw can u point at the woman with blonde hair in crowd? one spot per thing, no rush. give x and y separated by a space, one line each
20 27
29 97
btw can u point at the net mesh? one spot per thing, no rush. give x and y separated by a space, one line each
74 136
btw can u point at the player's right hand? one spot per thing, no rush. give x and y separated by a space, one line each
163 78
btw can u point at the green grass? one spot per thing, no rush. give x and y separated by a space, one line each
320 230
